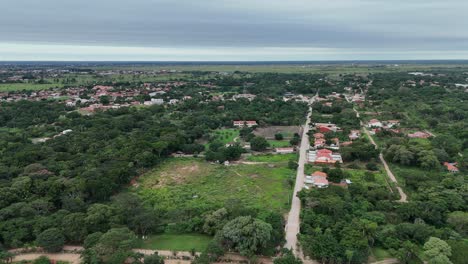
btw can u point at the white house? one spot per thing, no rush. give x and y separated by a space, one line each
374 123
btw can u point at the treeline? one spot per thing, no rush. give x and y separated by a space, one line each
342 225
66 189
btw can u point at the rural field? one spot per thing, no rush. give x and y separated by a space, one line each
191 182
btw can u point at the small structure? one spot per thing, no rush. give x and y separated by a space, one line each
241 123
286 150
451 167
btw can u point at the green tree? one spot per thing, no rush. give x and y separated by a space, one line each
437 251
42 260
279 136
153 259
52 240
245 235
6 257
215 221
74 227
407 252
459 221
287 258
259 144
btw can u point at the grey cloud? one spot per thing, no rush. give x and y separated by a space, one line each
365 24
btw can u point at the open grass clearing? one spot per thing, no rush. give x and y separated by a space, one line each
226 135
273 157
279 143
176 242
270 131
190 182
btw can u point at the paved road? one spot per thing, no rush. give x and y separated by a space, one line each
293 222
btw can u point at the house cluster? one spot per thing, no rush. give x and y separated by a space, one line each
249 97
322 151
375 125
321 142
90 99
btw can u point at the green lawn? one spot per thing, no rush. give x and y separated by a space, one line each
225 136
279 143
193 183
176 242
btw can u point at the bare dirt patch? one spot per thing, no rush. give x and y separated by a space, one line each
175 173
269 132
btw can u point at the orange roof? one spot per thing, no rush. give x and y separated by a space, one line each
450 166
320 174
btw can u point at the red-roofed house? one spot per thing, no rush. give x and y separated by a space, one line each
319 142
325 127
324 156
451 167
319 135
419 134
318 179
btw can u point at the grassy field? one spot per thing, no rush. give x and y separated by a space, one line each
176 242
226 135
7 87
279 143
294 68
273 157
191 183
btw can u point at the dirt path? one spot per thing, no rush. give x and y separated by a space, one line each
391 176
403 197
387 261
73 258
293 222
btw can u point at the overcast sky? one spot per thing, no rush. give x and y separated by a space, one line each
220 30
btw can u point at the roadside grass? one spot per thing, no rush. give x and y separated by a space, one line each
176 242
273 157
191 183
279 143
